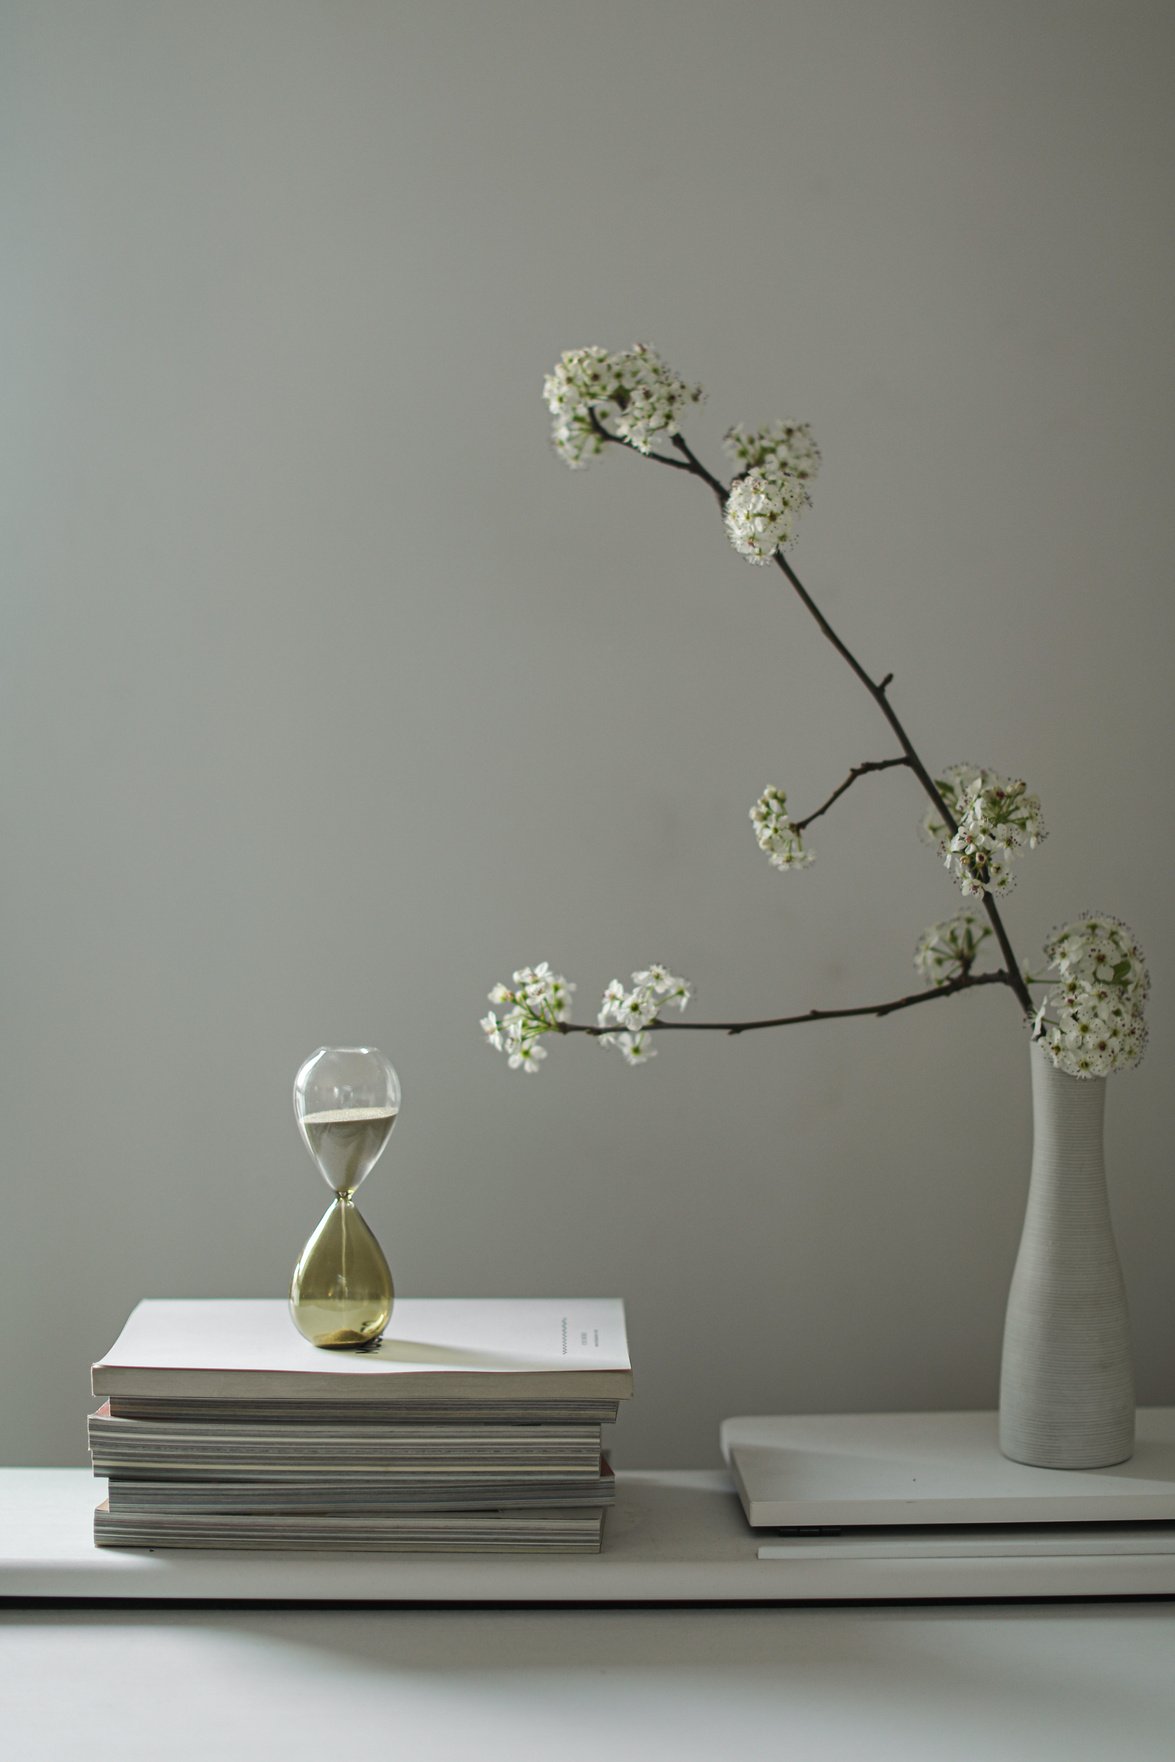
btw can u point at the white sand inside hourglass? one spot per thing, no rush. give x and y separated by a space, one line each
347 1140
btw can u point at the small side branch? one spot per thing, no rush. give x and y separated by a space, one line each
857 771
966 983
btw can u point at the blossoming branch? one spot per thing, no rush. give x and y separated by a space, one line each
1090 1016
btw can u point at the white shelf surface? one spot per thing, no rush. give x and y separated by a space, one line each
677 1537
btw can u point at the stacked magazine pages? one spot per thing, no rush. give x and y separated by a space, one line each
474 1425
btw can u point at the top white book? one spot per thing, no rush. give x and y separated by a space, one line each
435 1348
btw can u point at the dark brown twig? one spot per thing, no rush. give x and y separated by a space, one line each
857 771
877 691
964 983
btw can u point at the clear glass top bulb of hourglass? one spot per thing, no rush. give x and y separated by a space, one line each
346 1102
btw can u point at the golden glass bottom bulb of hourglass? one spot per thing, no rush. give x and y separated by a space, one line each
341 1293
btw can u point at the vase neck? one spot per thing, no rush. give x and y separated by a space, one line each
1068 1116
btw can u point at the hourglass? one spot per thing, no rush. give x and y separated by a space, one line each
346 1099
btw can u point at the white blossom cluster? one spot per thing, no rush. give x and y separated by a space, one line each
999 819
761 512
953 787
996 818
538 1000
633 393
777 833
779 447
634 1010
947 951
1092 1020
776 465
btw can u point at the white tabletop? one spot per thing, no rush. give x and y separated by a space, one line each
1015 1682
1006 1683
673 1536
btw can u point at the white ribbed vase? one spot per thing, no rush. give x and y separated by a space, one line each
1066 1382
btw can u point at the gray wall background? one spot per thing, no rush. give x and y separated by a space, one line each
330 696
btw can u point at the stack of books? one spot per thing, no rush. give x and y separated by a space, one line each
475 1426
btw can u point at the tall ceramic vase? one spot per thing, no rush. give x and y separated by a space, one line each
1066 1382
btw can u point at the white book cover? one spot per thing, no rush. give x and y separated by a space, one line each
856 1470
478 1348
